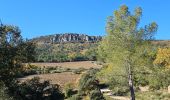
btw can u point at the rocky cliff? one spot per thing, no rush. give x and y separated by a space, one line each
65 38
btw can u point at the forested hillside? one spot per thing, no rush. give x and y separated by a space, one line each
72 47
66 52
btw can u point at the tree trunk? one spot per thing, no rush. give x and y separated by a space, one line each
132 92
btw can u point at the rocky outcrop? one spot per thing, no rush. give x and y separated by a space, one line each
67 37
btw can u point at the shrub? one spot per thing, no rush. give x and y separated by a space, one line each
35 90
55 71
78 71
3 93
96 95
88 81
67 69
155 84
29 72
69 90
76 97
159 79
120 91
156 95
119 85
141 80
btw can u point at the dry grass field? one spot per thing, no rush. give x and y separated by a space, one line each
71 65
64 77
56 78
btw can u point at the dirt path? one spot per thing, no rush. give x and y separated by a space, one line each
107 92
119 98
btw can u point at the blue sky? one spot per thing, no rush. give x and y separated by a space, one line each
42 17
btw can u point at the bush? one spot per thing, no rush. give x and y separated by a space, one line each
156 95
160 79
29 72
3 93
76 97
155 84
26 72
78 71
35 90
96 95
120 91
55 71
88 84
88 81
141 80
69 90
119 85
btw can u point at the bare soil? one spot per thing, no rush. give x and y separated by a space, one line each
56 78
64 77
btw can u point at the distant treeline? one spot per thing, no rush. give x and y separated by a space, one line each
66 52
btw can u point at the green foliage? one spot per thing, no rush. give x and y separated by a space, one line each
78 71
69 90
76 97
124 40
65 52
35 90
32 69
118 85
9 42
157 95
88 82
91 54
89 85
3 93
159 79
141 79
126 46
13 51
96 95
27 51
120 91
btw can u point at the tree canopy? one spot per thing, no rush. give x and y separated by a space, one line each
163 57
126 44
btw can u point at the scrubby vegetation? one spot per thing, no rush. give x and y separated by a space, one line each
3 94
32 70
66 52
152 96
13 52
35 90
88 87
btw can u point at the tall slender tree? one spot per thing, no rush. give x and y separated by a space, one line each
125 42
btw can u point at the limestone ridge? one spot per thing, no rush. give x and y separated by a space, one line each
66 38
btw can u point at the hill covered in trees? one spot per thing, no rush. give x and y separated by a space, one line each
66 47
71 47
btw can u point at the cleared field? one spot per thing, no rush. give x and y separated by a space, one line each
64 77
72 65
56 78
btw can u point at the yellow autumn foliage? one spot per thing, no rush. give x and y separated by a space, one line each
163 57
